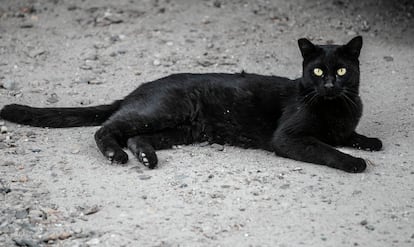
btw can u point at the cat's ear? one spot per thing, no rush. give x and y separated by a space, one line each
353 47
306 47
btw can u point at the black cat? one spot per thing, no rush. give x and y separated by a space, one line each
301 119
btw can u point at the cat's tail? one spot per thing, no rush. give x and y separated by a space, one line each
59 117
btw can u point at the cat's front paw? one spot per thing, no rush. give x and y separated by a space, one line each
354 165
372 144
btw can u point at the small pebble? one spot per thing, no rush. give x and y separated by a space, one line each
144 177
8 163
370 227
25 242
3 129
285 186
95 81
93 241
156 62
21 214
351 33
203 144
26 25
217 147
53 98
36 52
86 67
88 210
9 85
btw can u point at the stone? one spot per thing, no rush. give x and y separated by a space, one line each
25 242
156 62
21 214
36 52
93 241
53 98
285 186
9 85
3 129
217 147
144 177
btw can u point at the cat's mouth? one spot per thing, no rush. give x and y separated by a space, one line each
331 93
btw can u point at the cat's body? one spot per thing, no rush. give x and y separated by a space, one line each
299 119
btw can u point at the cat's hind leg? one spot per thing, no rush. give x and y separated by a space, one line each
143 146
114 134
144 151
108 140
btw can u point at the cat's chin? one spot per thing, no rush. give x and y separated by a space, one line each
330 97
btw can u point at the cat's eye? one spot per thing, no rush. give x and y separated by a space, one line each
341 71
317 72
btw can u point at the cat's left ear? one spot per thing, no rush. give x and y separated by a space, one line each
306 47
354 46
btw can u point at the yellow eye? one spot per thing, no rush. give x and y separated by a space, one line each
317 71
341 71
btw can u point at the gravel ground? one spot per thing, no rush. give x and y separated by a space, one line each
57 189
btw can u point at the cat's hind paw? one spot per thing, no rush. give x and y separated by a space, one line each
119 157
148 159
144 152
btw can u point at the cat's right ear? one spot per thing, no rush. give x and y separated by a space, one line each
306 47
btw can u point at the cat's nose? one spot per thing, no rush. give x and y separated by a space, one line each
329 82
328 85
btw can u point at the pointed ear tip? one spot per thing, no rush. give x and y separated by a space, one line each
358 38
303 41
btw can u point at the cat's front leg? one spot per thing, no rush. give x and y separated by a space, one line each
312 150
358 141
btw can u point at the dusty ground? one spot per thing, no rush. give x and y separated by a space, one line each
57 189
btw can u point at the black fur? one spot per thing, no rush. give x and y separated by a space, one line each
301 119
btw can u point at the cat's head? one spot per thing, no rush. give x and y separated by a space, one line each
331 71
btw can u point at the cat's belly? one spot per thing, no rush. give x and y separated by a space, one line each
232 131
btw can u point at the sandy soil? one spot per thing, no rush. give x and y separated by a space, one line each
57 189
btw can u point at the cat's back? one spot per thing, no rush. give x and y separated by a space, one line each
217 86
243 81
